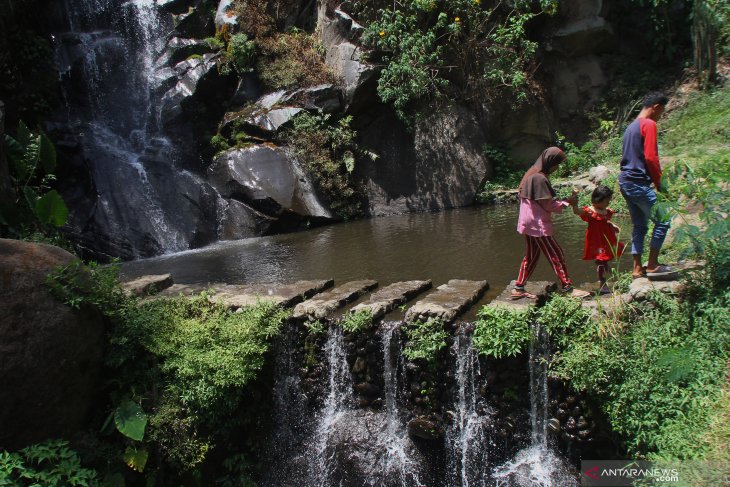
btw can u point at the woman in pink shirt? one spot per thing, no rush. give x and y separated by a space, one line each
537 204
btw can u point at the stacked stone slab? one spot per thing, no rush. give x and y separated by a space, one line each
326 303
448 302
387 299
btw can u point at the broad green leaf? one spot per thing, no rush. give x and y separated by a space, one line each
47 154
50 208
136 458
24 134
130 420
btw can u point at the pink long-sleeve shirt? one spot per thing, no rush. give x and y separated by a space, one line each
536 216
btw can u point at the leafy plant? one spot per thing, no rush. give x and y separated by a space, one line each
501 332
242 53
356 322
326 149
425 340
32 160
52 463
421 43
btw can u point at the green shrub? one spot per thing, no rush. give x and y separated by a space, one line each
421 43
356 322
37 207
425 340
326 149
501 332
52 463
242 53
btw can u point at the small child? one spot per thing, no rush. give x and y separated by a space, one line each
601 236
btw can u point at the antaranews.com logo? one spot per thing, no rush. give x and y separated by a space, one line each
620 473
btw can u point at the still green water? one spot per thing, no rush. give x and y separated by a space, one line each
469 243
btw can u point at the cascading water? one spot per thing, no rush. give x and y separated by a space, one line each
398 467
536 465
138 200
468 435
336 405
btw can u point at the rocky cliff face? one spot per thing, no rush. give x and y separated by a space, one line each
139 137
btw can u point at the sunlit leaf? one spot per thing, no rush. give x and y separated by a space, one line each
136 458
130 420
51 209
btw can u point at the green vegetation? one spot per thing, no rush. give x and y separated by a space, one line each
501 332
36 208
179 373
658 368
426 47
425 340
356 322
326 149
51 463
242 53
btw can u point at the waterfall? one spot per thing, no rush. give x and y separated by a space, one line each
398 466
537 465
336 404
137 200
468 435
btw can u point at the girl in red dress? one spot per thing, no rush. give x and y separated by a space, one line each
602 243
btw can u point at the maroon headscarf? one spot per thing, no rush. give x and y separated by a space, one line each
535 184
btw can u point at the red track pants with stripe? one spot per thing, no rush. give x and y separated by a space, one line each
552 251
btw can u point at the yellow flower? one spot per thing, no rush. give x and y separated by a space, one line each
381 33
457 19
478 2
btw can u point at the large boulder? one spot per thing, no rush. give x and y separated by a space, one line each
267 180
440 165
50 354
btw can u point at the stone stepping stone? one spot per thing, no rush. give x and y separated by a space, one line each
325 303
639 288
448 302
182 289
539 288
238 296
146 285
388 298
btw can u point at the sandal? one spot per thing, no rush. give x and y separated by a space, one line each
641 274
580 294
661 269
521 293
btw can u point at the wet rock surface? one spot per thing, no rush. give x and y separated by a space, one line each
326 303
448 301
235 296
388 298
145 285
265 179
541 289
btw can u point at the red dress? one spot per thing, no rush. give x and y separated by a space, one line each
601 240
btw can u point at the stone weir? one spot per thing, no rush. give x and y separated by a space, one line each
320 299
